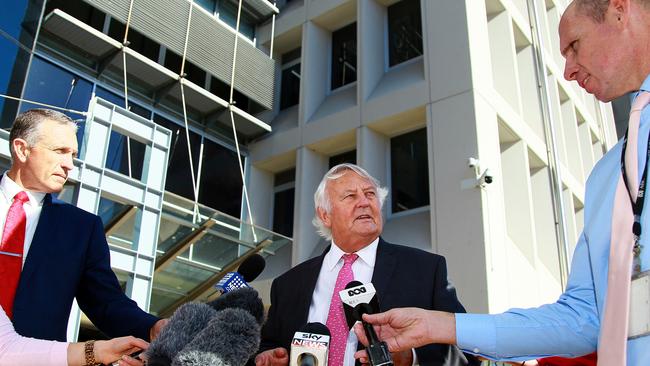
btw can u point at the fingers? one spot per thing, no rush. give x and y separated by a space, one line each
362 356
361 334
129 361
280 352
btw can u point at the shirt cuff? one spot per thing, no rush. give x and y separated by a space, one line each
476 334
59 354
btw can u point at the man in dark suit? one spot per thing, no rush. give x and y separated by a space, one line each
61 248
348 205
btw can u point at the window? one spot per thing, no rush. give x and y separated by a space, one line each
404 31
409 171
221 185
50 84
283 201
78 9
346 157
179 179
227 12
290 82
344 56
137 41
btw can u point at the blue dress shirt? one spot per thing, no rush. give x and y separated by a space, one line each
569 327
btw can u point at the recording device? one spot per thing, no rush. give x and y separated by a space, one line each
186 322
248 271
231 338
244 298
359 299
309 345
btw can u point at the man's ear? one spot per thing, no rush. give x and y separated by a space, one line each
324 217
620 9
21 150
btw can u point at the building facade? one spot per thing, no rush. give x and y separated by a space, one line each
163 136
461 109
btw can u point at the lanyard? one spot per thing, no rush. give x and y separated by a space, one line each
637 207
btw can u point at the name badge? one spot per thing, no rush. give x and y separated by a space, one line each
639 322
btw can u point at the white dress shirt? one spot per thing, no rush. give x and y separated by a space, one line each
362 268
8 189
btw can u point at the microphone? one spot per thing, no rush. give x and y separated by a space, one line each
248 271
359 299
231 338
186 322
245 298
309 345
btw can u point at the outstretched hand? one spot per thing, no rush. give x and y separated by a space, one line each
406 328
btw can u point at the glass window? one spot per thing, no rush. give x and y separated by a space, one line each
222 90
227 11
52 85
80 10
344 56
346 157
137 41
13 67
404 31
208 5
283 201
409 171
221 184
290 81
179 177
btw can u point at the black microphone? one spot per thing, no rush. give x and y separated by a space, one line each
359 299
186 322
309 345
248 271
231 338
245 298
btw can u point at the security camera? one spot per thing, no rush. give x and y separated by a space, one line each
486 177
473 162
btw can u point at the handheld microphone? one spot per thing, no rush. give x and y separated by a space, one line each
231 338
309 345
248 271
186 322
245 298
359 299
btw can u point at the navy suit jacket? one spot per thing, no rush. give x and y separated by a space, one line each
69 258
403 277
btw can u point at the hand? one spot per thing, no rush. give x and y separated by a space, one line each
157 327
403 358
273 357
406 328
115 349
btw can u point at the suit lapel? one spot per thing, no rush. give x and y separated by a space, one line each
385 265
307 286
38 249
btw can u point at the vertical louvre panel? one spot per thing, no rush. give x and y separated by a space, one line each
210 43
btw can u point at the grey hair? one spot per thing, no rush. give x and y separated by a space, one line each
27 125
322 199
596 9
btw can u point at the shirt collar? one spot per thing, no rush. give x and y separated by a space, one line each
9 189
368 255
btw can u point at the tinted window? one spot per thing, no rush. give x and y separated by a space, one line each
409 171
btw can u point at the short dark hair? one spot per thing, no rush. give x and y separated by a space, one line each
26 125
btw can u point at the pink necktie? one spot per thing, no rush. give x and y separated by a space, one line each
11 258
613 331
335 318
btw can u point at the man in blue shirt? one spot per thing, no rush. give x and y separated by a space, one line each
606 45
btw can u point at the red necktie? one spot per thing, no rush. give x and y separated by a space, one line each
613 330
11 248
335 318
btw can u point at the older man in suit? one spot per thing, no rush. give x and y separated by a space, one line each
348 205
52 252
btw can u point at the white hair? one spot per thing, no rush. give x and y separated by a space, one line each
322 199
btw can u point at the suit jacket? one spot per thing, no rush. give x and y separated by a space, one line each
403 277
69 258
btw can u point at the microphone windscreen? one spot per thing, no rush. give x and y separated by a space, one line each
245 298
231 338
186 322
251 267
316 328
352 284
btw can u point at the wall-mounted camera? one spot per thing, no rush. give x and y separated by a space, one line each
482 178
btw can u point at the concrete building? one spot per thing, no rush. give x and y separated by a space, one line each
461 109
458 106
